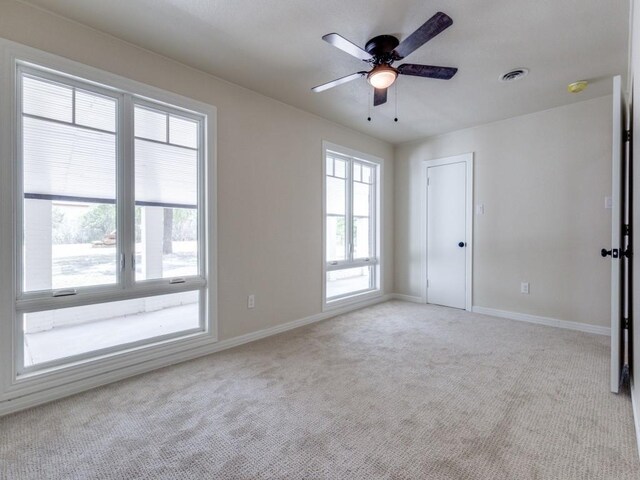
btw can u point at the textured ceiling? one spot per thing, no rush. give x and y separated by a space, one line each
274 47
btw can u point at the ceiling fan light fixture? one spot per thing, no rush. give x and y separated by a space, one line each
382 76
383 51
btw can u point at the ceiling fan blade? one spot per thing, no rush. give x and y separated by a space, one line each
379 96
432 27
429 71
338 81
346 46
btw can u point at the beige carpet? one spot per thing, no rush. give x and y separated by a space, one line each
395 391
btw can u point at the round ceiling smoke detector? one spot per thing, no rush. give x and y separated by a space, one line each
577 87
513 75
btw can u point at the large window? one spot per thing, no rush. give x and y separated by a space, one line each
351 226
111 220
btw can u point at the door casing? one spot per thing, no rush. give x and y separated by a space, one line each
619 239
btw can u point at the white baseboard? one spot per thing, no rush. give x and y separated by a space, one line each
551 322
61 391
635 405
407 298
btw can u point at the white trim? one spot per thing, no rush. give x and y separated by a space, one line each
7 209
467 158
407 298
551 322
61 391
357 298
617 218
352 300
635 407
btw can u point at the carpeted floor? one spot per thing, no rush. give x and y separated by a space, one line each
397 391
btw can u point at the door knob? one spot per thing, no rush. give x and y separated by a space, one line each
614 252
462 244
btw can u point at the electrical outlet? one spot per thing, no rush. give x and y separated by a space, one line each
251 301
524 288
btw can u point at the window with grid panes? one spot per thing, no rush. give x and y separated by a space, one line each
351 226
111 221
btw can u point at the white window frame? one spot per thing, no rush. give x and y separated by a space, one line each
15 379
376 260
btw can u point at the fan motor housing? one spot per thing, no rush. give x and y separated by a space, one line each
381 45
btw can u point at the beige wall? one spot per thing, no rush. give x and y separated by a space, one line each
542 179
269 172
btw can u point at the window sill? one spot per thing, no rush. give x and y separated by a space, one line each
355 299
161 352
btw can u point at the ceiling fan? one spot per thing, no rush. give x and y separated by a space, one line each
382 51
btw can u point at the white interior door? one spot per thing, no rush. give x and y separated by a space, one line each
447 234
617 241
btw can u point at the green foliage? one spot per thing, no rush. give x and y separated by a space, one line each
341 230
185 224
97 222
62 233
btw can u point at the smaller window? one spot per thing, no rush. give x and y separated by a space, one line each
351 226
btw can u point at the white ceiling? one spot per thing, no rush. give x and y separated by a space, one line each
274 47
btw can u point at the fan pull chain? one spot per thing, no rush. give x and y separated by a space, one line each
396 89
369 104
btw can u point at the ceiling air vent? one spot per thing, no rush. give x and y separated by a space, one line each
513 75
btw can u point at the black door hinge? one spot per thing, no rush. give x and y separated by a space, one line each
625 324
626 229
626 135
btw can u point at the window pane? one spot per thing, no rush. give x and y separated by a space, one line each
336 220
336 245
166 195
46 99
361 237
340 168
84 243
183 132
330 166
357 172
361 199
96 111
350 280
150 124
336 196
366 174
69 161
58 334
166 242
165 174
69 206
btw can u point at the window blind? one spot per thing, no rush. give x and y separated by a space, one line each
70 148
